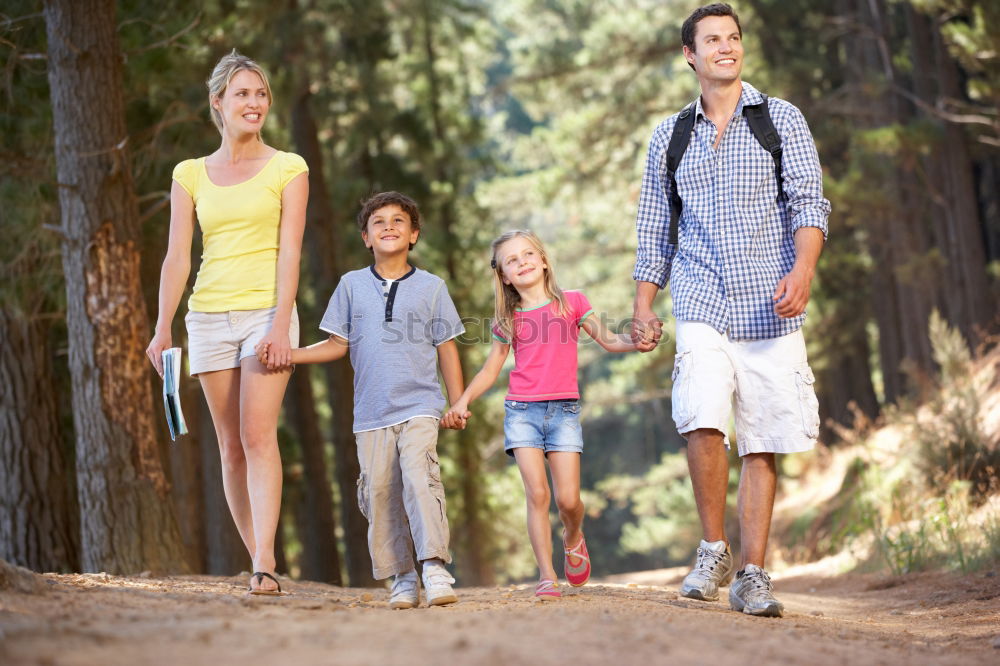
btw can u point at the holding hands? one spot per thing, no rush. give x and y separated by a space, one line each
647 329
456 417
274 351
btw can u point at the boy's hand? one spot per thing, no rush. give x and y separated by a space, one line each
456 417
261 351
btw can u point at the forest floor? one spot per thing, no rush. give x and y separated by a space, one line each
928 618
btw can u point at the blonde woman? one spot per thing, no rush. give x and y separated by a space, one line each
249 200
542 323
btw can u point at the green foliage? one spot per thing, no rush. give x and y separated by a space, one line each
949 431
658 510
936 532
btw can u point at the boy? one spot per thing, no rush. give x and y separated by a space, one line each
399 323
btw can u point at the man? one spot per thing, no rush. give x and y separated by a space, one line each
740 270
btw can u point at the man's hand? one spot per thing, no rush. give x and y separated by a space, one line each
646 326
647 329
792 293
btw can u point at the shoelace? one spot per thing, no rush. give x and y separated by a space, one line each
708 560
759 580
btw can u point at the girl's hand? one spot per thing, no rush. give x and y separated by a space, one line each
456 417
277 350
154 351
645 346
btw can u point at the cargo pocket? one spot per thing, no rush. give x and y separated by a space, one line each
808 403
363 498
680 396
434 481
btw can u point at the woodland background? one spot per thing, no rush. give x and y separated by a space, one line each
493 115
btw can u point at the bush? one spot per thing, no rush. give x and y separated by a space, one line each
951 439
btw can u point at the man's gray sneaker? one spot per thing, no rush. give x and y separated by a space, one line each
752 593
405 591
437 584
712 570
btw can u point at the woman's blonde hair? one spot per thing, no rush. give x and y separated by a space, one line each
223 73
507 298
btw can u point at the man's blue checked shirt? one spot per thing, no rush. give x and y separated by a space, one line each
735 237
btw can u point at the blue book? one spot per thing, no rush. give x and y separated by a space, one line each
172 392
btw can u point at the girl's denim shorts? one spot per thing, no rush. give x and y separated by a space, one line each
549 425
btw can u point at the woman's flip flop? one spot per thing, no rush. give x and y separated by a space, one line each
260 575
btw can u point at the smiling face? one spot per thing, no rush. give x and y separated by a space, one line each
389 231
521 263
718 49
244 103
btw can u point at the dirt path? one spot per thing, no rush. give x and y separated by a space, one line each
849 619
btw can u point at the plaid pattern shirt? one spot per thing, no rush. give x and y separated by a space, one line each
735 238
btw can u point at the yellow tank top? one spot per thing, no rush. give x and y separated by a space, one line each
239 226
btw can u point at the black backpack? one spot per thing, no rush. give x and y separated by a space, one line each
763 130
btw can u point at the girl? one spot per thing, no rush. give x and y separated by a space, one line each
250 202
541 322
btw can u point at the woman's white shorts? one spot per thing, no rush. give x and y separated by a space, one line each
221 340
769 382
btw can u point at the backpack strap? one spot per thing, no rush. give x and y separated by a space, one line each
759 119
675 151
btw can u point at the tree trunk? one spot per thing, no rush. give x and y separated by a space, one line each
899 238
36 525
950 185
319 560
473 533
323 243
127 522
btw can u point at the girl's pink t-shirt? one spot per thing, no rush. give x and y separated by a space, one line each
545 350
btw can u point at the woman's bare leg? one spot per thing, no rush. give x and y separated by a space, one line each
222 391
261 392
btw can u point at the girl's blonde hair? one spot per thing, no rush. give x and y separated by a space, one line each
223 73
507 298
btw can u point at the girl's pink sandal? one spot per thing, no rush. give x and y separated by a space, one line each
577 563
547 590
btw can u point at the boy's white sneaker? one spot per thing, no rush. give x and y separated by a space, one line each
437 584
405 591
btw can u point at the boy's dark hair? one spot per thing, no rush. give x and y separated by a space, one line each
382 199
691 22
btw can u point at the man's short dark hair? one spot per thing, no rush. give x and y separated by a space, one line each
383 199
691 22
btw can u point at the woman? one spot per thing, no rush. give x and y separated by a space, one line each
250 202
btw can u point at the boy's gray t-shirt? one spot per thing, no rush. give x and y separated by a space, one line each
393 328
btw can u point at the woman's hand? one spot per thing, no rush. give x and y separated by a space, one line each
278 349
154 351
